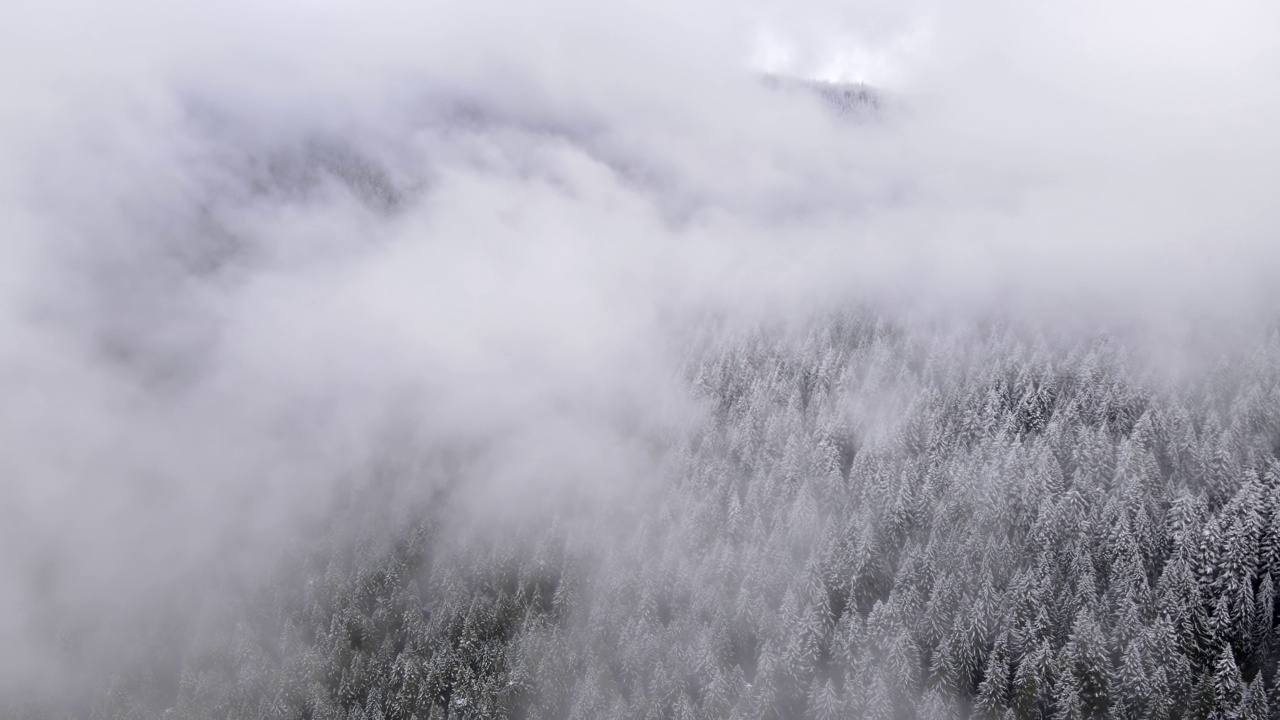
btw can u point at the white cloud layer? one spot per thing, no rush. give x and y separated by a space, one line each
241 240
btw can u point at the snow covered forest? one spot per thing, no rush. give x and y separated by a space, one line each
425 359
875 521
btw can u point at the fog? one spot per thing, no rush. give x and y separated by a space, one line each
250 252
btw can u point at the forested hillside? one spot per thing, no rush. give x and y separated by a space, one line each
872 521
652 359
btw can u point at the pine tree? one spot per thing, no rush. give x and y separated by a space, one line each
1086 655
1068 701
1228 686
1261 625
1254 705
994 691
1033 681
826 702
1133 679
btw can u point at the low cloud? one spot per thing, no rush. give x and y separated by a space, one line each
245 246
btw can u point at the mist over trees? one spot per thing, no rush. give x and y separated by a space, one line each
644 360
872 521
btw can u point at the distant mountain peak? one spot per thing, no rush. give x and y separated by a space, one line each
857 101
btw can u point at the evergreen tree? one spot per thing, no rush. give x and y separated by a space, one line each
1086 655
1254 705
1228 686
